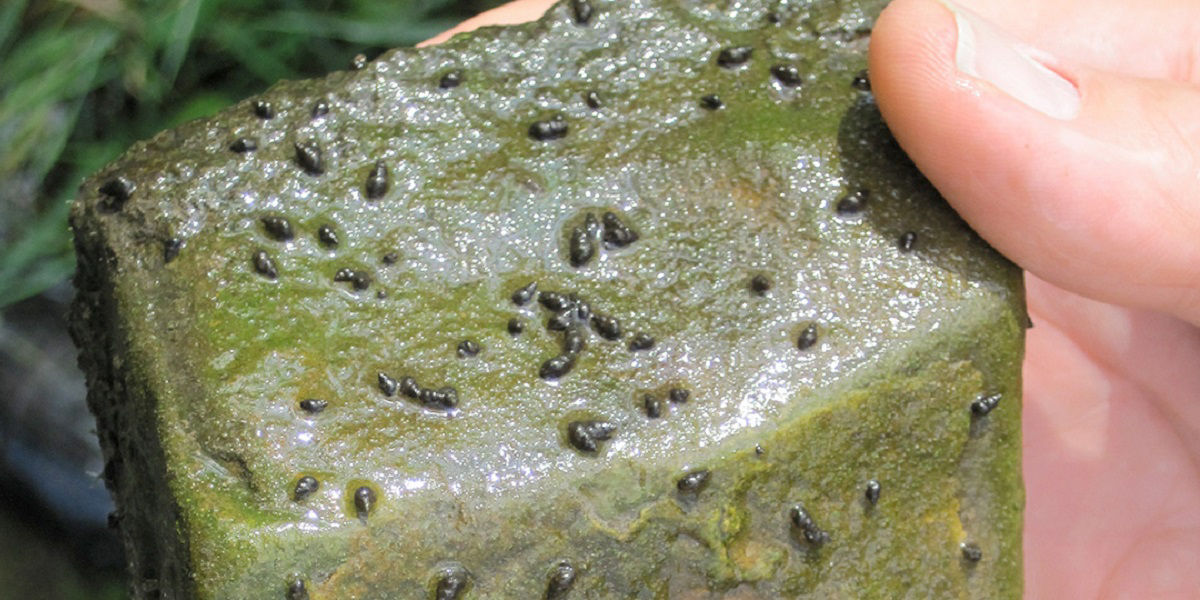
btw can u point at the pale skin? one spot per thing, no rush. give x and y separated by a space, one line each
1103 211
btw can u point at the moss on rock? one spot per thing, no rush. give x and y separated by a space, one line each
707 201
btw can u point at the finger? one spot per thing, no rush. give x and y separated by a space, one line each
508 14
1109 430
1087 178
1158 39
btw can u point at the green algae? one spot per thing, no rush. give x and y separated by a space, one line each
196 366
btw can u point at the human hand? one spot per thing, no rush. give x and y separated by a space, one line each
1088 179
1091 181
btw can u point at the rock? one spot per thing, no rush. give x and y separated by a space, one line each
470 488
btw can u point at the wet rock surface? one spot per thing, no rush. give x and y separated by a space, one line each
567 176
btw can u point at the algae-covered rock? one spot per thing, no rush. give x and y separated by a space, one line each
637 301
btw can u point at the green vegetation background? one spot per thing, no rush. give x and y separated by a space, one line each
81 80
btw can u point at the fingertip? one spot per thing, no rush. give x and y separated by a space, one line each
931 111
911 54
512 13
1081 176
984 151
913 75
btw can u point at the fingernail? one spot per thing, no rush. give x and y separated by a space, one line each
987 53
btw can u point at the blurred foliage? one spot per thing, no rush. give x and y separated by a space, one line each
81 80
34 564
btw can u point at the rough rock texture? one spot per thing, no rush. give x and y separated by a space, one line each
257 289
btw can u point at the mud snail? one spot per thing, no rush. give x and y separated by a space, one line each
308 322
